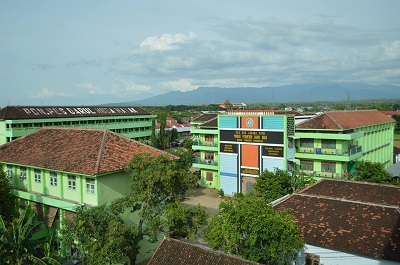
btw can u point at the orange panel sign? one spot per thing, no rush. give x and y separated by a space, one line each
250 155
249 122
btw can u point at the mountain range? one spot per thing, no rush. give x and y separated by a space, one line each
288 93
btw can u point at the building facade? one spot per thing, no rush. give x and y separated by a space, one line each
132 122
250 142
204 131
57 170
234 148
330 144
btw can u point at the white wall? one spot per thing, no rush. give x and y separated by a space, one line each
334 257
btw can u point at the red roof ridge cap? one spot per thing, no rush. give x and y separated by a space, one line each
340 126
346 200
101 152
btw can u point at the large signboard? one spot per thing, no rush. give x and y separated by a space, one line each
37 111
228 148
263 137
250 171
276 151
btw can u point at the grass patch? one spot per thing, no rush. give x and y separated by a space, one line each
397 137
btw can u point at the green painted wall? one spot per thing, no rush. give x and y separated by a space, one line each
135 127
207 183
112 186
87 196
370 143
72 194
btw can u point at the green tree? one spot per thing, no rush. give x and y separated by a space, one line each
173 135
153 133
188 143
300 180
250 228
397 119
371 172
7 205
155 183
162 136
185 157
273 185
184 222
103 236
18 244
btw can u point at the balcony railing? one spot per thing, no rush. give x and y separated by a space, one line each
328 151
323 174
205 143
205 161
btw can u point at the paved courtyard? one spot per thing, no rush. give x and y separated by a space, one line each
206 197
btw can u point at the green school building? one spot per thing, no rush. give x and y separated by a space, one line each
132 122
56 170
330 144
230 151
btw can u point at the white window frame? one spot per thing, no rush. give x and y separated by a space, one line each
71 182
10 171
90 185
38 176
22 173
53 179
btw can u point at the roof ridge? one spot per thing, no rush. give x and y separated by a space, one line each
101 152
355 182
143 144
340 126
204 247
345 200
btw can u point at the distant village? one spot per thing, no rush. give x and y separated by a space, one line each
62 158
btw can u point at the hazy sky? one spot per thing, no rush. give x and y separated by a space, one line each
95 52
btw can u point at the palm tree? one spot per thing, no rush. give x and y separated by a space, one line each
17 244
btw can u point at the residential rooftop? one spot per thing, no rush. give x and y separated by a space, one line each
343 120
178 252
82 151
353 217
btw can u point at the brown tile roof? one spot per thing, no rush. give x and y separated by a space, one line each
356 191
40 112
205 117
177 252
352 217
342 120
210 123
83 151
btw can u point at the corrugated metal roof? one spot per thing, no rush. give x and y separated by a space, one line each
42 112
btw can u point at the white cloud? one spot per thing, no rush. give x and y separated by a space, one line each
48 93
265 53
134 87
91 88
166 42
392 50
183 84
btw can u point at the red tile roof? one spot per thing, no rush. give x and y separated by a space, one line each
83 151
341 120
177 252
353 217
391 112
40 112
